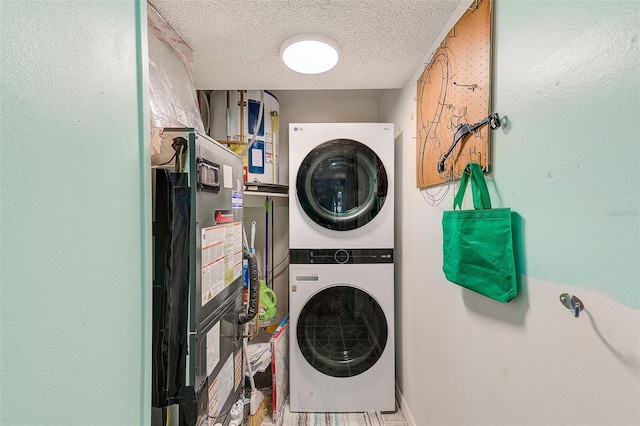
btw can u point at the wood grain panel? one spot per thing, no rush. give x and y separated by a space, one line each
454 89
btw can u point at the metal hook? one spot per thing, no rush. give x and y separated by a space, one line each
463 130
572 303
471 87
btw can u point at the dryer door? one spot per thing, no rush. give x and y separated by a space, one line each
342 331
342 184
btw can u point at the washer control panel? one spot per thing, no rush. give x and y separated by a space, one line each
340 256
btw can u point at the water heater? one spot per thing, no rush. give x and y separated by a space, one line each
236 120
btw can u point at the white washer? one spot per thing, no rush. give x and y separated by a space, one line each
342 355
343 175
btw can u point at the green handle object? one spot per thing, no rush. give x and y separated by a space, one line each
268 301
271 295
481 199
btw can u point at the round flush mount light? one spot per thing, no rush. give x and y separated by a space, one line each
309 53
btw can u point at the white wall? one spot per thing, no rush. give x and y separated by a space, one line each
562 71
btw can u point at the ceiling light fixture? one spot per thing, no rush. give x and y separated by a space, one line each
309 53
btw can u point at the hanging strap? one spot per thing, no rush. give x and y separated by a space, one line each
481 199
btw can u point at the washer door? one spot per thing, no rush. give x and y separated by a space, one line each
342 184
342 331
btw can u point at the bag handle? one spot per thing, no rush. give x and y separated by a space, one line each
481 199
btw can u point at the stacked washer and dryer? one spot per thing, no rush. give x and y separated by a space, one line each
341 274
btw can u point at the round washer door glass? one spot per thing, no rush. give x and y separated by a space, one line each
342 184
342 331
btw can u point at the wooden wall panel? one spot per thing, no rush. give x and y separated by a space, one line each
454 89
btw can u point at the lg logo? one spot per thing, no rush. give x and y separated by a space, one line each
295 129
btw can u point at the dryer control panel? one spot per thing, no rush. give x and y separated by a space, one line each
340 256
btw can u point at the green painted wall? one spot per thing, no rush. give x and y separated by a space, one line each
569 159
566 77
75 288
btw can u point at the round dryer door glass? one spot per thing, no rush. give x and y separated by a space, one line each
342 184
342 331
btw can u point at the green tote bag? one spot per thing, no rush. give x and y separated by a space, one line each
478 244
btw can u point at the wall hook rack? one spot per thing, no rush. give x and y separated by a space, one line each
463 130
572 303
471 87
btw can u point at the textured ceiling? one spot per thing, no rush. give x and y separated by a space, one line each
236 43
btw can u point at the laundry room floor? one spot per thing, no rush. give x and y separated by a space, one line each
338 419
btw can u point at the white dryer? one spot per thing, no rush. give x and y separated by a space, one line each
342 354
343 178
